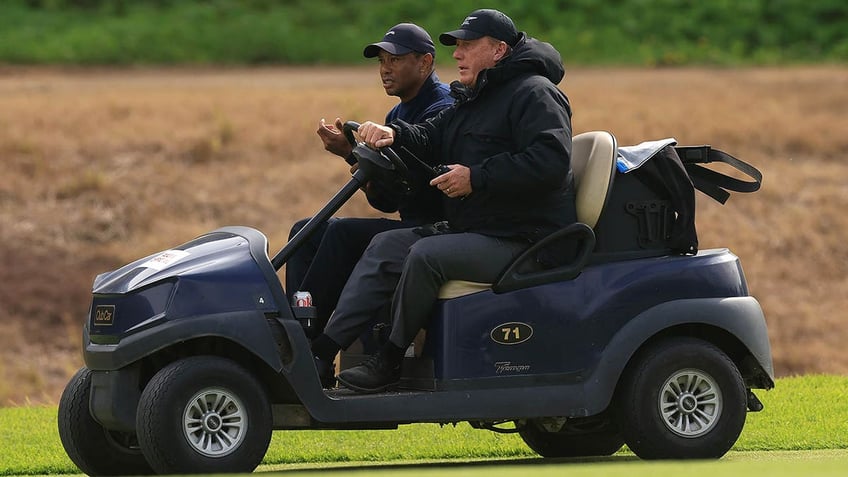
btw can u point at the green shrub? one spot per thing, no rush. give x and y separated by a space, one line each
629 32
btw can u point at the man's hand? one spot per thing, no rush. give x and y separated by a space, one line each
334 140
376 135
456 183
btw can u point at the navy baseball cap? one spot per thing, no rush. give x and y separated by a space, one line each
480 23
403 38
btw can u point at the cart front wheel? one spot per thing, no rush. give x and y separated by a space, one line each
204 414
94 449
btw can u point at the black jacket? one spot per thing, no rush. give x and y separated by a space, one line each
514 133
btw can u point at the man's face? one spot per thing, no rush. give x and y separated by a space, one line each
401 74
473 56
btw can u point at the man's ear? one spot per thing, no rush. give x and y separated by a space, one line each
426 63
501 51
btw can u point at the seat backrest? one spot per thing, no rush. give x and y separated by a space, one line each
593 157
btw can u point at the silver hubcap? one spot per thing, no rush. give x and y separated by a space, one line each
214 422
690 403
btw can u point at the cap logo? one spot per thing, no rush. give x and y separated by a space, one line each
467 21
390 32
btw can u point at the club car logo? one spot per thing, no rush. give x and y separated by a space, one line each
511 333
104 315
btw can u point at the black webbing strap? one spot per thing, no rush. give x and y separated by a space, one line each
712 183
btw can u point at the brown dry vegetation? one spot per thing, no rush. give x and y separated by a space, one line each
102 167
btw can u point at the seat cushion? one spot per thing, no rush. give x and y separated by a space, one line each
456 288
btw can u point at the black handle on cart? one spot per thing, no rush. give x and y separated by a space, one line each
360 177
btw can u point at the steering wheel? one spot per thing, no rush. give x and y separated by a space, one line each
386 152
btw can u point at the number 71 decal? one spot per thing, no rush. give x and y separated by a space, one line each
511 333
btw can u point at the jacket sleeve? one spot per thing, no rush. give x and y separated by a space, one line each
423 139
540 120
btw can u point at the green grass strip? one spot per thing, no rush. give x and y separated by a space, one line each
808 413
734 464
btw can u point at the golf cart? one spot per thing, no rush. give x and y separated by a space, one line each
193 355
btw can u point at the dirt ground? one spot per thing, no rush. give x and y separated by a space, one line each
100 167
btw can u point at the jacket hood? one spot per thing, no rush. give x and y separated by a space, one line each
531 55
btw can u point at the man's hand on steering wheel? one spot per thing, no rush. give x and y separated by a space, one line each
395 163
376 135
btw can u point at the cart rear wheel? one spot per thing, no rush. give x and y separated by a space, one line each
95 450
204 414
682 399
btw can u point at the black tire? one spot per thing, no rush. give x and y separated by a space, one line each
95 450
701 394
598 442
204 414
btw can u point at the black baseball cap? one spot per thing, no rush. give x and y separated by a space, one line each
480 23
401 39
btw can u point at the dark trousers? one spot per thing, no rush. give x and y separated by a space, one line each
323 264
406 270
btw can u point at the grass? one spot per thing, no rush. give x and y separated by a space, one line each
808 413
734 464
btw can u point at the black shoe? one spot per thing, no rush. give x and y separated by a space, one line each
326 372
373 375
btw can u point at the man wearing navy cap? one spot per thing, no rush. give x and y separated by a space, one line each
407 69
507 142
322 266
